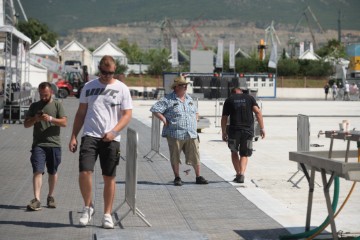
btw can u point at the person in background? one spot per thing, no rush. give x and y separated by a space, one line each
346 91
334 89
326 90
354 89
46 116
178 112
240 108
105 109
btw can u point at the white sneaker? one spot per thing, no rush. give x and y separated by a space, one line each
107 221
86 215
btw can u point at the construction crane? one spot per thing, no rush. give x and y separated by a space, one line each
305 15
168 32
192 28
293 42
270 33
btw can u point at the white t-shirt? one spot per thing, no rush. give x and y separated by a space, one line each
105 102
347 87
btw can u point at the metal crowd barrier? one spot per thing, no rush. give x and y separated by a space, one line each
155 139
131 177
303 143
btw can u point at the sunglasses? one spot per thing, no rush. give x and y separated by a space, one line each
183 85
105 73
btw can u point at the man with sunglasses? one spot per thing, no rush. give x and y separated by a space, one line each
179 114
105 109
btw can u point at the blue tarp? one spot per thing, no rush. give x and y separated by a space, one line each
353 50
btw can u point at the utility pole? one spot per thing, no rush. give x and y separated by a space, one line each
339 27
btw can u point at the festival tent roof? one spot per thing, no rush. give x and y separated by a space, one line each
14 31
40 47
309 55
241 53
74 46
109 48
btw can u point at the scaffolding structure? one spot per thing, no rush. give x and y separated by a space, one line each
14 67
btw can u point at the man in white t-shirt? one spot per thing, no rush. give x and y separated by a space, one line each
105 109
346 91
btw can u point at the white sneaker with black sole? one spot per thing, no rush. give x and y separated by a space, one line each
86 215
107 222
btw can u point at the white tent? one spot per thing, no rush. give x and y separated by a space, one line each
37 75
241 53
108 48
38 72
309 55
76 51
43 49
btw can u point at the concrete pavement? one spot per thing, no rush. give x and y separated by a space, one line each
266 206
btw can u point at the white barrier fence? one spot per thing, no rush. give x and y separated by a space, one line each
155 139
303 142
131 177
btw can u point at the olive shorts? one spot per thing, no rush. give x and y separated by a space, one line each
190 147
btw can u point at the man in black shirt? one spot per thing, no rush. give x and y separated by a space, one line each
240 108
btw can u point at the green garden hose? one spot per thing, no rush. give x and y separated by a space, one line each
313 231
342 205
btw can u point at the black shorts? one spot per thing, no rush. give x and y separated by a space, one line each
240 141
108 152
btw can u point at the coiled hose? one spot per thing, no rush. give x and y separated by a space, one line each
337 213
326 221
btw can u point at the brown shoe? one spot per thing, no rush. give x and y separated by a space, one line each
51 202
34 205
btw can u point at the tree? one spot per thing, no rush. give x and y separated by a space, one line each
288 67
159 62
133 52
250 65
120 69
34 29
333 48
314 68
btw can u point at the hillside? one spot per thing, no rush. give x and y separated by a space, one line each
65 15
148 35
92 22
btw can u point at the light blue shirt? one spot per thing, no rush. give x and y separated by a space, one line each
181 116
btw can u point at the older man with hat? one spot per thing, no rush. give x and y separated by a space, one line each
178 112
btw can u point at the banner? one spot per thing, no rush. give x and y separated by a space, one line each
174 52
219 56
232 54
52 66
301 48
311 47
273 56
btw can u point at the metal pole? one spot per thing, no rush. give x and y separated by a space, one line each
328 201
310 199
